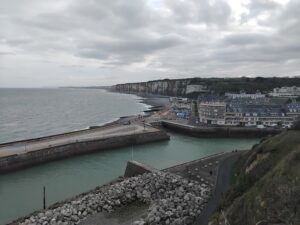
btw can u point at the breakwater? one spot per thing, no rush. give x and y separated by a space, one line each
22 154
214 132
172 199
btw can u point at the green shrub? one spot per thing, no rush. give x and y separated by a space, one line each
296 125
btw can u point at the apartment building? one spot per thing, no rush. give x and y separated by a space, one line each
286 92
246 111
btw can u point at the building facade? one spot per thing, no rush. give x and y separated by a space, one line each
212 112
245 95
286 92
246 112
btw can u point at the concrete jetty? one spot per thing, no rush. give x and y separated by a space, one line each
19 154
221 131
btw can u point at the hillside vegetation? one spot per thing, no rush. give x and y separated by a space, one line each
267 185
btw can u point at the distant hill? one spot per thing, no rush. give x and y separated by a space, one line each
178 87
267 187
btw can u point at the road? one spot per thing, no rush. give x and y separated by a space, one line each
222 184
84 135
220 166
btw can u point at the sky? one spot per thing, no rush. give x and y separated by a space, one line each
46 43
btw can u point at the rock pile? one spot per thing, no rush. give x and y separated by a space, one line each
173 200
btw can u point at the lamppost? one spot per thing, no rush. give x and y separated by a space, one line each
132 142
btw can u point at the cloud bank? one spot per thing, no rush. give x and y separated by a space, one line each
101 42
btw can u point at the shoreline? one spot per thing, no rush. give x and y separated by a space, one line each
148 102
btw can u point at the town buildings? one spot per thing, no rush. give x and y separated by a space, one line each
290 92
246 110
245 95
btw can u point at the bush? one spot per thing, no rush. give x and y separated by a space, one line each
296 125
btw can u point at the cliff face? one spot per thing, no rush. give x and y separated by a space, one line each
192 87
159 87
267 187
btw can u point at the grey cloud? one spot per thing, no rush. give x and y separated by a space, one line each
246 39
291 11
257 6
131 37
289 20
132 49
17 41
6 53
200 11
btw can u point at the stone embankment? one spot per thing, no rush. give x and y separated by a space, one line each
20 154
173 200
220 131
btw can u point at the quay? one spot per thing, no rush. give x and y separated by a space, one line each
218 131
20 154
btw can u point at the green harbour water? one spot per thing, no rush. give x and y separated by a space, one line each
30 113
21 191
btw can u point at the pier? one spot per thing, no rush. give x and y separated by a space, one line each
19 154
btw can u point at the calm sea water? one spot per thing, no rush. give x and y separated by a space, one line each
28 113
21 191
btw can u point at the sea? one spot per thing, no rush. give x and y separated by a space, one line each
30 113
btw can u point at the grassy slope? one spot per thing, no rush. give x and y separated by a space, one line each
270 190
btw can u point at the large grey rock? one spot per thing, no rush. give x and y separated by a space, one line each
173 200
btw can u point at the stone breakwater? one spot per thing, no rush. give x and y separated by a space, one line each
173 200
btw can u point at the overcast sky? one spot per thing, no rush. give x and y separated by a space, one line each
103 42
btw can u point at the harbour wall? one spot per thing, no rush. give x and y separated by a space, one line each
54 136
18 161
221 132
135 168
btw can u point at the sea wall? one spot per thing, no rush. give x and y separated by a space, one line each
54 136
213 132
172 199
31 158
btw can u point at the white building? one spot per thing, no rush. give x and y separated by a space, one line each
212 112
195 89
288 92
245 95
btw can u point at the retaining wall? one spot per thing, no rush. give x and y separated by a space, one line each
31 158
213 132
135 168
